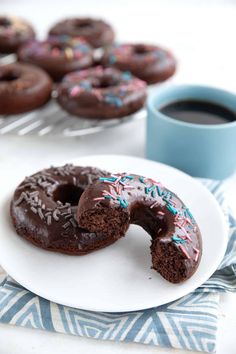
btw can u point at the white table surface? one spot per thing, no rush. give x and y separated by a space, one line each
202 35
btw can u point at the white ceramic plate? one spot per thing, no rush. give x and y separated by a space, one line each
117 278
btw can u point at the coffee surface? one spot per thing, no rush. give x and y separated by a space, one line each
198 112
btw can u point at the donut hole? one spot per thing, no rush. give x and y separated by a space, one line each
104 82
68 193
141 49
5 22
83 24
9 77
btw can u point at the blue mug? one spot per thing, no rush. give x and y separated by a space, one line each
201 150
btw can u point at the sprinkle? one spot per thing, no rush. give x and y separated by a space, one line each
126 76
106 193
154 204
153 194
34 210
69 53
171 209
66 225
108 197
73 222
178 240
159 191
110 179
40 213
197 254
123 202
49 219
75 91
141 179
160 213
128 187
189 213
182 248
100 198
112 59
74 181
20 199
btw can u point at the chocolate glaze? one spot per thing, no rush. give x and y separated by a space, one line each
44 205
23 88
113 203
148 62
58 55
101 93
96 32
13 33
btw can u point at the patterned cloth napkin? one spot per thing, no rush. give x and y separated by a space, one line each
188 323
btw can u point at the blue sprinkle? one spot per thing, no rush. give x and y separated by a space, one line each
153 194
123 203
171 209
112 99
107 197
146 190
110 179
126 76
129 177
141 179
85 85
112 59
189 213
159 191
178 240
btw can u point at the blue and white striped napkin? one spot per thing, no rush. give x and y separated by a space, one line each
188 323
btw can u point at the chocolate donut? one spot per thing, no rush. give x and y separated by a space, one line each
101 93
13 33
113 203
58 55
23 88
43 209
96 32
148 62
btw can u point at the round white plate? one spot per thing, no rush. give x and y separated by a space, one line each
117 278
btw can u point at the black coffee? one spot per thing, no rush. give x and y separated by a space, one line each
198 112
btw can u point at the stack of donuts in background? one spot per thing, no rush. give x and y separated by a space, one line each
91 75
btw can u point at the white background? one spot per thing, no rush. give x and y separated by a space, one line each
202 36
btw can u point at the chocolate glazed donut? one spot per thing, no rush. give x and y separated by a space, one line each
96 32
101 93
113 203
43 209
13 33
58 55
148 62
23 88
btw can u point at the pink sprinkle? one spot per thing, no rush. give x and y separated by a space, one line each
154 204
160 213
100 198
128 187
197 254
118 180
55 52
182 248
75 90
107 193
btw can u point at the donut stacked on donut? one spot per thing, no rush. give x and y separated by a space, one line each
58 55
101 93
148 62
43 210
110 205
13 33
23 88
96 32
